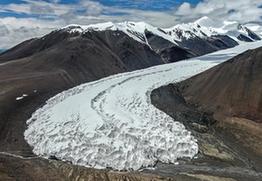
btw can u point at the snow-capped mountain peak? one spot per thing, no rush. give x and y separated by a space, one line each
207 27
135 30
189 30
204 30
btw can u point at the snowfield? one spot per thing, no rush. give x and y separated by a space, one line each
112 123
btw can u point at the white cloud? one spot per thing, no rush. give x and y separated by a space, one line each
30 7
241 10
92 8
19 8
15 30
184 9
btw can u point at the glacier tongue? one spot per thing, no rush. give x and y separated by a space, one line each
112 123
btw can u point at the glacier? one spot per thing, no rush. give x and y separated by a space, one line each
111 123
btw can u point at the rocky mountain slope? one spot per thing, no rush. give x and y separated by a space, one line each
225 102
133 34
43 70
231 89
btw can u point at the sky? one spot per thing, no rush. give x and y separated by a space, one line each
23 19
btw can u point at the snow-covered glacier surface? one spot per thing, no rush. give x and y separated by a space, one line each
112 123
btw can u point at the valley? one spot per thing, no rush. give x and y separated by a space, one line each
130 101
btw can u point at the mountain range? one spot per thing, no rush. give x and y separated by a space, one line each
192 39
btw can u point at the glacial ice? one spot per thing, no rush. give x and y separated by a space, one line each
111 123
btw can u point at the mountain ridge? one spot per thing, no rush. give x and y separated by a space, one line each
193 39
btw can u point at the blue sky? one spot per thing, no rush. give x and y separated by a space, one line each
157 5
162 13
70 11
142 4
157 12
23 19
147 5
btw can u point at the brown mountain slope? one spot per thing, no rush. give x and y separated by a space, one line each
233 88
41 68
56 64
223 108
233 92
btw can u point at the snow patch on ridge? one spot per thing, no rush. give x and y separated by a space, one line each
21 97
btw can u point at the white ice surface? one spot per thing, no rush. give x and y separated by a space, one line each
112 123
